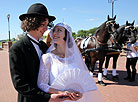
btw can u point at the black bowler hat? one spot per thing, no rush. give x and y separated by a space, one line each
37 9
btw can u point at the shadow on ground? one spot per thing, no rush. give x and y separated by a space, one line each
121 76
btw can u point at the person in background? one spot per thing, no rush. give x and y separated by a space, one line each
132 57
25 55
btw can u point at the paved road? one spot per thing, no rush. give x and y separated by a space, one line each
7 92
122 91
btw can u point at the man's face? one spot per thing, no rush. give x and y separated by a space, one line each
40 30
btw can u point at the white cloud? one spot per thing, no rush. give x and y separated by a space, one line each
64 9
91 19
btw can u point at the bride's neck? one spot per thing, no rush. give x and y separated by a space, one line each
60 49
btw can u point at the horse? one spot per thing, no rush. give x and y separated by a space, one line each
93 48
124 34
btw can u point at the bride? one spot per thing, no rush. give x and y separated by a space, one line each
62 61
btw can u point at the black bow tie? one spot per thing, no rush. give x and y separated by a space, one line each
39 44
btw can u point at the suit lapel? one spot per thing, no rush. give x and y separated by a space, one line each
31 48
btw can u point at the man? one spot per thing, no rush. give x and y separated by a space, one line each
25 56
132 57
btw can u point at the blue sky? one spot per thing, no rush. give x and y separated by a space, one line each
79 14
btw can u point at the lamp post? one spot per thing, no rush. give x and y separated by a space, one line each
8 17
112 1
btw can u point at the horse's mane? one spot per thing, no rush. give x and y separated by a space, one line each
101 27
121 29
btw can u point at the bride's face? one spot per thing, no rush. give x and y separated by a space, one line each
58 34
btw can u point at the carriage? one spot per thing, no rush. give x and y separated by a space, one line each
96 48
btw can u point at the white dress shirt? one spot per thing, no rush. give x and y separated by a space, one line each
39 52
133 53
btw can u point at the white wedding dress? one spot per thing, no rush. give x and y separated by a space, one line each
51 66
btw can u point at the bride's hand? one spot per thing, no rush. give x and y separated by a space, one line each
67 95
73 95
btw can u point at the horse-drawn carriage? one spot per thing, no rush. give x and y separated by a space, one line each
108 38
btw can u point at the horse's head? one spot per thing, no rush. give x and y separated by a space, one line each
106 29
130 32
111 25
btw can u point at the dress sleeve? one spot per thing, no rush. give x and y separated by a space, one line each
43 75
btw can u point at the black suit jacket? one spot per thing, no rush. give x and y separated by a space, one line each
24 68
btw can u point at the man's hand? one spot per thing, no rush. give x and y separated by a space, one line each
58 98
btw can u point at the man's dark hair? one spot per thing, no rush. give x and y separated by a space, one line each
32 23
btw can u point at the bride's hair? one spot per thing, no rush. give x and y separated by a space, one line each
68 39
65 38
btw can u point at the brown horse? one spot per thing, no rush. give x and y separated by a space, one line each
94 46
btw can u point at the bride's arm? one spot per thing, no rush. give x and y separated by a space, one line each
43 76
56 91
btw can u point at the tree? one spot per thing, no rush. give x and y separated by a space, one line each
82 33
74 35
85 33
92 31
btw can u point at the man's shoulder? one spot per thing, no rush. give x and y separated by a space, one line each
19 43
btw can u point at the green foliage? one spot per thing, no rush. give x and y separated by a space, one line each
82 33
44 37
85 33
6 41
13 41
92 31
74 35
0 43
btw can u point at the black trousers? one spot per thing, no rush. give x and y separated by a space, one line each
131 65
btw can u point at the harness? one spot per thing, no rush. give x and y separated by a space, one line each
97 45
98 42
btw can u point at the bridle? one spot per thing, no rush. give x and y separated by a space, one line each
111 26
